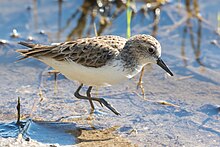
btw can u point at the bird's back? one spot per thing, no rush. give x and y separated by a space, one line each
90 52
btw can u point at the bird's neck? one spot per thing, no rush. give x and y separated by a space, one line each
130 60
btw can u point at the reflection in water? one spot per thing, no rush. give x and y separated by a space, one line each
35 13
81 23
193 12
59 19
96 11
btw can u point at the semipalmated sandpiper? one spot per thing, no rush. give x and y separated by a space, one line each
99 61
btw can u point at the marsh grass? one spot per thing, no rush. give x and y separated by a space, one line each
128 14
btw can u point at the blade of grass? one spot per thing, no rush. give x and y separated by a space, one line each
128 14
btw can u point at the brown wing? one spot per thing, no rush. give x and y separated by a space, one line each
89 52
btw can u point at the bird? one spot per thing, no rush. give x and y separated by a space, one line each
98 61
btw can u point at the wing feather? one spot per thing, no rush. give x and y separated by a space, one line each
90 52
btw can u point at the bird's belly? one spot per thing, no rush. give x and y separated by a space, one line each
101 76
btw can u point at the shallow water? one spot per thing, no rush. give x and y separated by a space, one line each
190 46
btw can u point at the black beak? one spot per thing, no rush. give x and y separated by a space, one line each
163 65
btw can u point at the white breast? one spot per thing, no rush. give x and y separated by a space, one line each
103 76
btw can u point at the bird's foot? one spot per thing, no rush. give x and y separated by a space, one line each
109 106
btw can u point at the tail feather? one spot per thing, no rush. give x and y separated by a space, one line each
29 45
22 58
35 50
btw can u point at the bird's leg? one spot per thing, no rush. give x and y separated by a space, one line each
88 93
100 100
140 82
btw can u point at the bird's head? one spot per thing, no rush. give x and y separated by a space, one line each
147 49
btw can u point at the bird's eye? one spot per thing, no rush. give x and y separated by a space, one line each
151 50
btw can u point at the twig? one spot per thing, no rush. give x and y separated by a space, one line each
166 103
55 73
185 77
18 112
160 101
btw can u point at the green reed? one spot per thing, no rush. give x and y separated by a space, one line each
129 14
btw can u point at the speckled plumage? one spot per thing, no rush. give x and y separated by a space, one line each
98 56
90 52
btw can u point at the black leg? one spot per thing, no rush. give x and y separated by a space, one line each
88 93
76 94
100 100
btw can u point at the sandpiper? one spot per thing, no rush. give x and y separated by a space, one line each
98 61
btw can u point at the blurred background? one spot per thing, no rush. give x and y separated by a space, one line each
189 33
188 29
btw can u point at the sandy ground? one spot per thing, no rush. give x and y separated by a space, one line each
102 138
